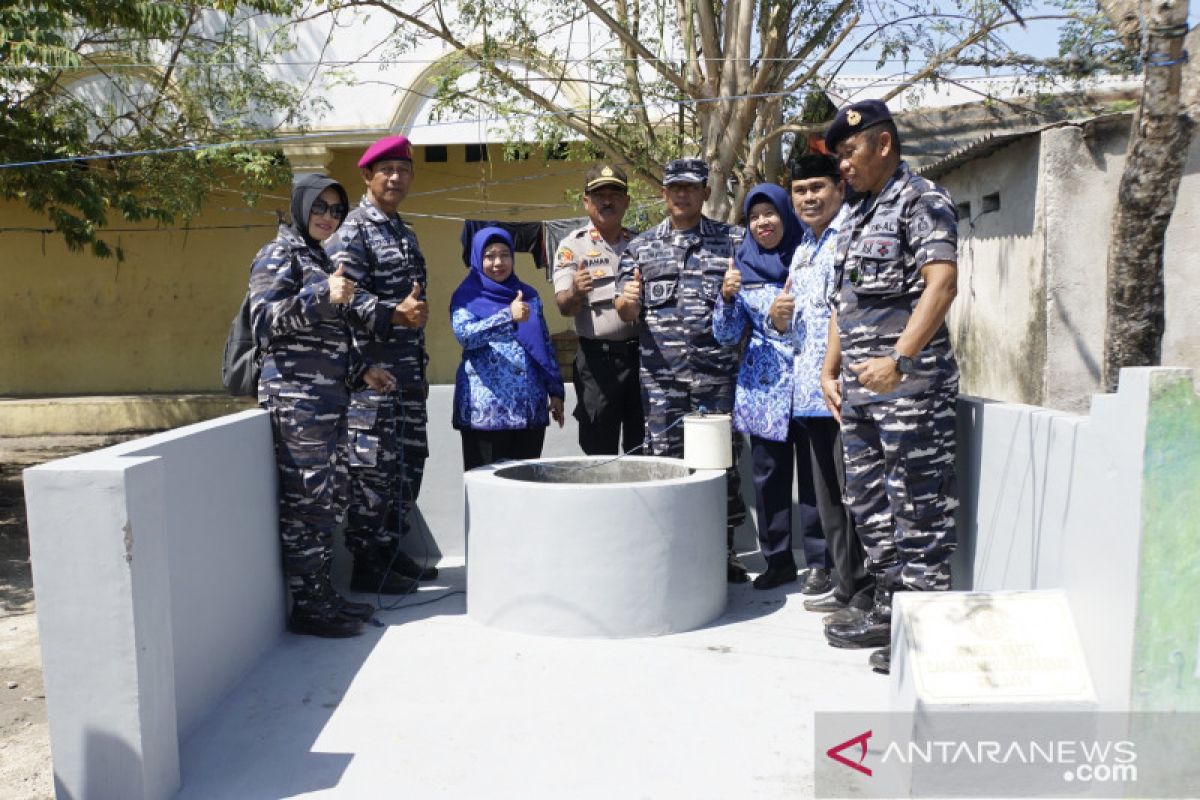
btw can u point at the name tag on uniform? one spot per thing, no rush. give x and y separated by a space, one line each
876 247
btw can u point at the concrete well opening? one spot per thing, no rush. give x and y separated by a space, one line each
595 470
595 547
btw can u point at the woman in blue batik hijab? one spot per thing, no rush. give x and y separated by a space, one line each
756 297
508 383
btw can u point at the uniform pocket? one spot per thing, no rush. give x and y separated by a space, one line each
306 437
361 416
875 265
930 487
364 449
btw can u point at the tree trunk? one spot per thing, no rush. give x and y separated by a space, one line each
1158 148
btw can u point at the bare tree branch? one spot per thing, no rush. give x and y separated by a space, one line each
622 33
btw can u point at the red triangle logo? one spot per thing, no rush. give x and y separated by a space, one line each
835 753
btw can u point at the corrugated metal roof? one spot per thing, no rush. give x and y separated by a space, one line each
992 142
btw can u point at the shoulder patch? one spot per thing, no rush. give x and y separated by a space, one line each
565 254
922 222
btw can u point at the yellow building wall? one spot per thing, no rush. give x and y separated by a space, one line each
72 324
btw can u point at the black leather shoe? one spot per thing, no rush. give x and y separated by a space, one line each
825 605
326 625
817 581
848 614
873 630
411 569
775 576
371 578
735 570
352 610
870 631
881 660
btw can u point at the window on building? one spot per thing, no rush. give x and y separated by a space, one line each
436 154
476 153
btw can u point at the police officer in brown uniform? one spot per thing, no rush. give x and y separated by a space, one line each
606 365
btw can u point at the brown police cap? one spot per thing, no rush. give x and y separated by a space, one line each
605 175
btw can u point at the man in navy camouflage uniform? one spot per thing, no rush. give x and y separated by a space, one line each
890 372
301 315
388 444
669 277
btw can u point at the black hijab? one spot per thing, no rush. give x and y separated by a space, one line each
305 190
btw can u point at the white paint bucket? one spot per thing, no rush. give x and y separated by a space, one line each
707 441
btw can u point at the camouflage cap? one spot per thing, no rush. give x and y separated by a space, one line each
685 170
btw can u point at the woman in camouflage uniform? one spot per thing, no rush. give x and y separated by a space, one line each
301 312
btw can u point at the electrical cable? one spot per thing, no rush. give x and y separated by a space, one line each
310 137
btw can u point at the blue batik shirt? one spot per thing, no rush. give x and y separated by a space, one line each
813 279
762 400
498 385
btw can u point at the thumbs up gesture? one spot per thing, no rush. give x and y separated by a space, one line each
633 287
783 309
413 311
341 288
629 302
732 283
519 308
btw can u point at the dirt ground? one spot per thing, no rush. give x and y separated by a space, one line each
25 771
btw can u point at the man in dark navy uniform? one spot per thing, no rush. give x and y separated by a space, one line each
890 374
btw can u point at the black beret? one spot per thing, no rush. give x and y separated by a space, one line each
853 119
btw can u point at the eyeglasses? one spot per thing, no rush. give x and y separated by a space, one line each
403 168
335 210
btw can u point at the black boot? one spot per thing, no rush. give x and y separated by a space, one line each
849 614
373 577
353 610
873 630
411 569
881 660
315 609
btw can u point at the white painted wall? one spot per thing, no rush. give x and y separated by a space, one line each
157 571
1054 500
1029 319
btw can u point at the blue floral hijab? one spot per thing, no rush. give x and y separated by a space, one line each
484 297
756 263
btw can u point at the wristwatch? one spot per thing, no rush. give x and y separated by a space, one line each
904 364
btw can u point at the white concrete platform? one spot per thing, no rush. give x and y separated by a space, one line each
434 705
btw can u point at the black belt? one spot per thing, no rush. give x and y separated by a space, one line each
607 345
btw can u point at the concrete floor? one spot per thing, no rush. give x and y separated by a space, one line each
434 705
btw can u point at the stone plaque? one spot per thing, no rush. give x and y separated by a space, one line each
991 647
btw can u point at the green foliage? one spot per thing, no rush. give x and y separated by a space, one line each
88 77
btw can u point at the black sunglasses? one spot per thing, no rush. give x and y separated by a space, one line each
336 210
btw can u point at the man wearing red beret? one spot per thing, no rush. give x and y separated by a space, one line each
387 437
